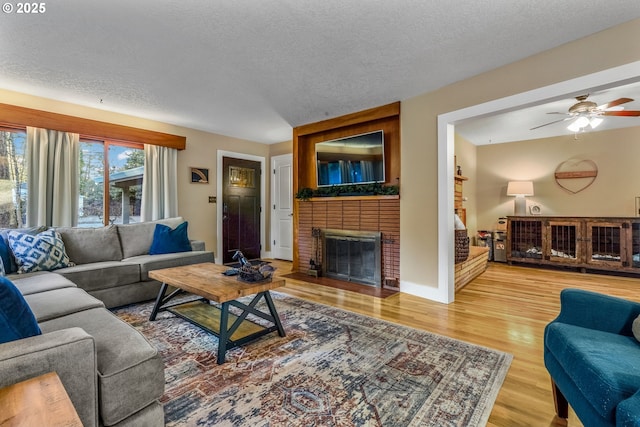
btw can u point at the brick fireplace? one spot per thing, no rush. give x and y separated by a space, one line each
371 216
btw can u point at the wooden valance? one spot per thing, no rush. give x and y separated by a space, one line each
11 115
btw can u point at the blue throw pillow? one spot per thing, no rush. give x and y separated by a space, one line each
16 318
169 241
5 257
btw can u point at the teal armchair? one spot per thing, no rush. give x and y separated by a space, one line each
594 359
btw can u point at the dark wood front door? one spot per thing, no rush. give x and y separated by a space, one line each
241 208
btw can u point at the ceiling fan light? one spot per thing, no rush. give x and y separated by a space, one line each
578 124
595 122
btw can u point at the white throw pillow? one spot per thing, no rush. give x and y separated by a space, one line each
635 328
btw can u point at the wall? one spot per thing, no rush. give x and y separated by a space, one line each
281 148
200 152
419 255
612 193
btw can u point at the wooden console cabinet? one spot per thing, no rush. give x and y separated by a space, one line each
599 243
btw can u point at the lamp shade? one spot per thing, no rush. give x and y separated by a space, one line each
520 188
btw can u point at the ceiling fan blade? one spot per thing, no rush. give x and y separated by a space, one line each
614 103
622 113
550 123
557 112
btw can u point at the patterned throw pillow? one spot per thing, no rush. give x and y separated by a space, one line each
42 252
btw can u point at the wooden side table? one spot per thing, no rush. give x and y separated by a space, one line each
40 401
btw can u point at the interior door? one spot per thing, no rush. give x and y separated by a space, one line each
282 213
241 208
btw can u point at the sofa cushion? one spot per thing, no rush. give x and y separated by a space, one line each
156 262
87 245
136 238
43 252
60 302
16 318
167 240
101 275
40 281
130 370
602 365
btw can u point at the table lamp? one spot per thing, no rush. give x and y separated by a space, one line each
520 189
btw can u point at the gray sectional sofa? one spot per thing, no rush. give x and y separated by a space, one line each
112 374
112 262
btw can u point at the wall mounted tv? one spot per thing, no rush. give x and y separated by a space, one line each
354 159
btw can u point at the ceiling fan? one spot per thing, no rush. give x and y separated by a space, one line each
588 113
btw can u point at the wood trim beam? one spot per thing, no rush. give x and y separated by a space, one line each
371 114
11 115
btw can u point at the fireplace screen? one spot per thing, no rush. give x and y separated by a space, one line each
352 255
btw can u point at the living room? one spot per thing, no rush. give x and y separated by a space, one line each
426 262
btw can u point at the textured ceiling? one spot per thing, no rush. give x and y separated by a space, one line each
517 125
253 69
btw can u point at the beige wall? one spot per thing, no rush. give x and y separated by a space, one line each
419 257
201 151
612 193
281 148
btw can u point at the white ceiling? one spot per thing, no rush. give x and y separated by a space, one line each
253 69
516 125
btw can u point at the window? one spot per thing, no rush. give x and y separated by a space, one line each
110 181
13 184
124 163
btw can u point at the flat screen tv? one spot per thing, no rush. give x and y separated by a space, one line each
356 159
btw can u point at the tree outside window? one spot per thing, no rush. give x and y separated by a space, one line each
13 185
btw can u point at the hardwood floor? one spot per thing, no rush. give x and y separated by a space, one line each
505 308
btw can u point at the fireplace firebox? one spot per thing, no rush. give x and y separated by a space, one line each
352 256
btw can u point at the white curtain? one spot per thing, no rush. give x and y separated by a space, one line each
52 177
159 183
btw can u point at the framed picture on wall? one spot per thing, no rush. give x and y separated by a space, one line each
199 175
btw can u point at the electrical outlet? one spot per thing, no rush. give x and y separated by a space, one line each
213 199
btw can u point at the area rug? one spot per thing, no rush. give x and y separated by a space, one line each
334 368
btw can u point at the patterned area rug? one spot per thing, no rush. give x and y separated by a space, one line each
334 368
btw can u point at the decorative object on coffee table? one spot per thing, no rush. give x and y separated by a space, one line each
252 273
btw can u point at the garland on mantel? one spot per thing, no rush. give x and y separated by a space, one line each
371 189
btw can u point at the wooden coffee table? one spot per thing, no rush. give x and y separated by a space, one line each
207 281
